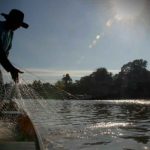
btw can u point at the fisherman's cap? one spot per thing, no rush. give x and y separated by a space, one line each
17 16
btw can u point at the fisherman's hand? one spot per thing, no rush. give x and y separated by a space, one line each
15 74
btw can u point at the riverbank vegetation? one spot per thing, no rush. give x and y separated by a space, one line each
132 82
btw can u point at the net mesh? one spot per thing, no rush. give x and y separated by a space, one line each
22 100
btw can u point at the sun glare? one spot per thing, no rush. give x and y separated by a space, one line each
98 37
118 17
127 10
109 23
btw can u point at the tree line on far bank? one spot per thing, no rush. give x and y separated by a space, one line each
132 82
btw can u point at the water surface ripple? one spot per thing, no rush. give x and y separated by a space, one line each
91 124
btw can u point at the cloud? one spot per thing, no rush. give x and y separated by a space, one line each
49 75
52 75
55 72
46 75
60 73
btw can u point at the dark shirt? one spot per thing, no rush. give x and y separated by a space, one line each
6 37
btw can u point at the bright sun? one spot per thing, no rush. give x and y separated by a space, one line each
127 9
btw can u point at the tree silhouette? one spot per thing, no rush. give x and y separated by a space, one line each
67 80
133 81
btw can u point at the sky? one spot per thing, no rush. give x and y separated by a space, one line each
78 36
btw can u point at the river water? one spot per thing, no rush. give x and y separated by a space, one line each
91 124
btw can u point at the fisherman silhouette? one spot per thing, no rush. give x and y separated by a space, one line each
13 21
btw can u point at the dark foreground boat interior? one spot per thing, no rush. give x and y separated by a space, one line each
16 130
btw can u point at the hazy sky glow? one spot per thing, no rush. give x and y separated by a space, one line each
79 36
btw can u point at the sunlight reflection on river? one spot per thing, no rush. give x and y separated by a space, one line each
91 124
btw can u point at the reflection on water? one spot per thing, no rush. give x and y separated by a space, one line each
92 125
109 125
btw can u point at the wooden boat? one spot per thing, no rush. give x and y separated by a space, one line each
27 138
